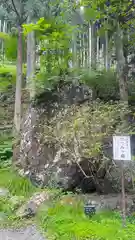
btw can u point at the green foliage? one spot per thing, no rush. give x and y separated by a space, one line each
89 123
20 189
4 36
54 40
6 151
8 207
67 221
21 186
115 8
8 76
103 83
10 46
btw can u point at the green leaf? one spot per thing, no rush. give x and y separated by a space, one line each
90 14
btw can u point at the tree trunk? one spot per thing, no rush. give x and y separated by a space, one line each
106 53
31 59
121 65
33 63
28 54
17 112
74 50
93 46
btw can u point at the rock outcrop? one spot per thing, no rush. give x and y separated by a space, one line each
62 141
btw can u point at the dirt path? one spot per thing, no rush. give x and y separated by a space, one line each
29 233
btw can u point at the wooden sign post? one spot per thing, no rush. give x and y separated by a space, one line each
122 152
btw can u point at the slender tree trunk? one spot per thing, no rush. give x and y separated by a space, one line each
74 50
93 46
28 54
90 46
121 65
106 53
17 112
31 61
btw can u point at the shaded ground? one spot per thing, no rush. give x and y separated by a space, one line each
29 233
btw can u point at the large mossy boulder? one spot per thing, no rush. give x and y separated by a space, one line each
63 140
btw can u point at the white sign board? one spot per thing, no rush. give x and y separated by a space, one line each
121 148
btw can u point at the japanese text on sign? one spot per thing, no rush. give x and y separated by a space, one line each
121 148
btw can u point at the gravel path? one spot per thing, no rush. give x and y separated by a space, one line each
29 233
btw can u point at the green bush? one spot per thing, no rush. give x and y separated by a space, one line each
103 83
68 222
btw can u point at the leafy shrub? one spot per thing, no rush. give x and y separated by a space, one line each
103 83
80 131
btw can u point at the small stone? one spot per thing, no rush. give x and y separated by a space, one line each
4 192
25 212
30 208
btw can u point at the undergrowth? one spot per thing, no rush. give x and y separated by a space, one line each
19 190
16 184
68 222
6 152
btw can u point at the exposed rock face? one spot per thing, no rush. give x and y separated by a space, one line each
49 153
43 161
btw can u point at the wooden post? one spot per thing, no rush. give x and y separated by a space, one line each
123 195
122 152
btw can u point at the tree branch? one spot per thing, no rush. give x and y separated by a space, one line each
7 6
15 9
24 19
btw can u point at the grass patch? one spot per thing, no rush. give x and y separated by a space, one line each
20 190
68 222
6 151
16 184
